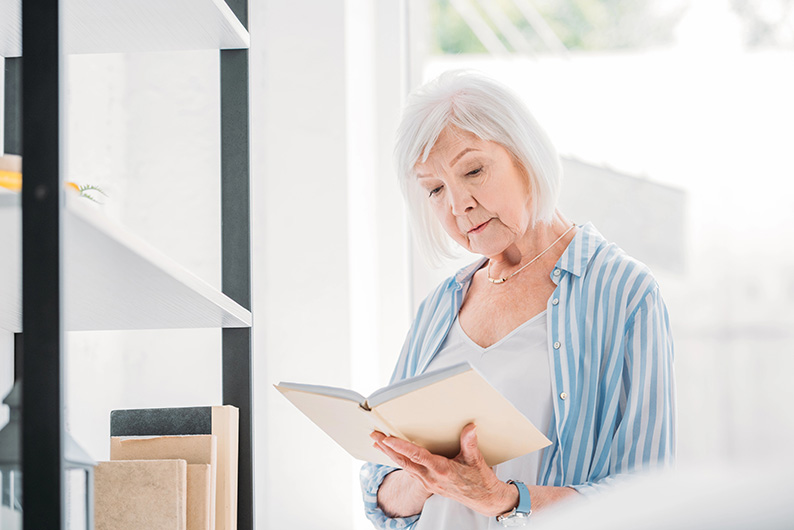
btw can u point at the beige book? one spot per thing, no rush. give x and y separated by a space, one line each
226 425
429 410
194 449
137 494
200 501
221 421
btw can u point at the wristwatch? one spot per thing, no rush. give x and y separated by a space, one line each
518 516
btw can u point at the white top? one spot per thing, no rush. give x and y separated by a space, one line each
518 367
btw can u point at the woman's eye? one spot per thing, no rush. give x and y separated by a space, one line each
474 172
435 190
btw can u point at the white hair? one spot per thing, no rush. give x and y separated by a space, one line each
474 103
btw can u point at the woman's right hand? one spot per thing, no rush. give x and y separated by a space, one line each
465 478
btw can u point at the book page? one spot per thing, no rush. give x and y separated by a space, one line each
434 416
409 385
331 391
343 420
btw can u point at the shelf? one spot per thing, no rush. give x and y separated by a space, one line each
112 279
120 26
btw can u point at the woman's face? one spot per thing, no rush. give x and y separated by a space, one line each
477 191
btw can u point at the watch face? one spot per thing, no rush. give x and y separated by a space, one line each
516 519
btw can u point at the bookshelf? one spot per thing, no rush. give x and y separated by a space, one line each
54 241
133 286
115 26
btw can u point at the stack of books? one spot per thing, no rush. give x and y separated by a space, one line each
169 469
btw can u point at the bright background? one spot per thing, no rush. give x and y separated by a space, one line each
675 122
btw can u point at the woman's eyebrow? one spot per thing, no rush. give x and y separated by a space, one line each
459 155
451 163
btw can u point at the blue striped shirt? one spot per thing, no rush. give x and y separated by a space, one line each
611 353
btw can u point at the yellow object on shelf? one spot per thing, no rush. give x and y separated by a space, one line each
11 172
11 180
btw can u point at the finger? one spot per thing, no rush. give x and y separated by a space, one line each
469 450
400 459
416 454
377 436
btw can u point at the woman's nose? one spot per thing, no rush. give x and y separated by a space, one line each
461 201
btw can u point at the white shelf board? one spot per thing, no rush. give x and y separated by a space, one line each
112 280
120 26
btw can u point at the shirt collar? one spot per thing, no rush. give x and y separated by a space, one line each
463 276
574 260
580 250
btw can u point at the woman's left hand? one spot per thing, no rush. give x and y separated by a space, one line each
465 478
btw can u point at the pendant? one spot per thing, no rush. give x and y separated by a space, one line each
497 280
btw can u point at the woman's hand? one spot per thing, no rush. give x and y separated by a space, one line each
465 478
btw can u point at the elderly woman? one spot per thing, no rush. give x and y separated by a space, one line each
566 325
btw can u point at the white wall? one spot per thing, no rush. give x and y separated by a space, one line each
329 262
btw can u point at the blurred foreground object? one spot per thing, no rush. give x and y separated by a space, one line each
11 172
78 473
726 499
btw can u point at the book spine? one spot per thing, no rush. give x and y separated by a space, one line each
161 422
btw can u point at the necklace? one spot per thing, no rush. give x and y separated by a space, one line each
503 280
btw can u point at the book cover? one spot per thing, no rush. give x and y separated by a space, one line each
221 421
429 410
198 449
200 498
136 494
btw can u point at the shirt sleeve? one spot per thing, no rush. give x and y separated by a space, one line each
371 477
644 436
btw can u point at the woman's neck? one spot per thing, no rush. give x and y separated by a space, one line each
535 241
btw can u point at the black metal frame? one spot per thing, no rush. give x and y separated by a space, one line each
37 128
13 106
236 255
42 323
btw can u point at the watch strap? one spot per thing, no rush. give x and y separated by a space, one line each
524 502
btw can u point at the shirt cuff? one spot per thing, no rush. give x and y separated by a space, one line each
372 476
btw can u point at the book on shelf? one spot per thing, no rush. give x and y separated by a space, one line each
200 453
429 410
136 494
200 497
220 421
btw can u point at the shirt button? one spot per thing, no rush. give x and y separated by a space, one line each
557 345
563 396
556 272
555 301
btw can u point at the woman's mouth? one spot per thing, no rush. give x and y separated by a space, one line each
479 228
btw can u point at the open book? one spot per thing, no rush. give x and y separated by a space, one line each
429 410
